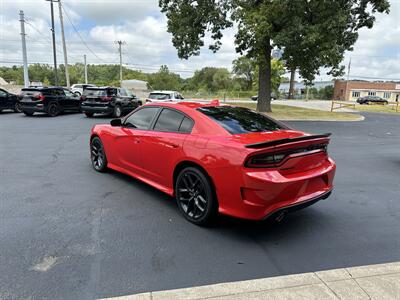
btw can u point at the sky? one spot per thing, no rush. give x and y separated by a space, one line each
143 28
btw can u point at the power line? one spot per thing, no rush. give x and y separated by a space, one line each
77 32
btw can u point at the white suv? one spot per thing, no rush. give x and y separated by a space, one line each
78 88
163 96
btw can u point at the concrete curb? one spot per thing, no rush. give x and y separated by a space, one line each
366 282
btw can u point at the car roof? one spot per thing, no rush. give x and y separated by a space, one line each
163 92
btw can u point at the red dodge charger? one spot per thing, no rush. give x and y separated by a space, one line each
217 159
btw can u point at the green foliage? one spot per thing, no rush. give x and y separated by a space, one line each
245 67
313 33
164 80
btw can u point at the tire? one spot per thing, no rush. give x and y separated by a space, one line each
89 114
196 197
17 107
28 113
117 111
98 155
53 110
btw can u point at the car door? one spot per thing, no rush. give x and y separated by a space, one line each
129 137
163 145
72 101
3 99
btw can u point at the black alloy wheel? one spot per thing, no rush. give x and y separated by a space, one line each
195 196
17 107
52 110
97 155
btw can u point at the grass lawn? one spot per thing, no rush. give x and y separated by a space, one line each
378 108
283 112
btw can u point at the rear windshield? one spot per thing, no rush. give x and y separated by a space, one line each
159 96
29 92
238 120
96 92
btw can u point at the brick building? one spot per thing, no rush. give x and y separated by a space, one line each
351 90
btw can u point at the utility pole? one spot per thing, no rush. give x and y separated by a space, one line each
84 61
64 45
24 57
120 43
54 41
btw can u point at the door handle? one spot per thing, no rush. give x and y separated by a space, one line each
171 145
136 140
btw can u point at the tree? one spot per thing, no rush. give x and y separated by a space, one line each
164 80
244 67
322 31
263 24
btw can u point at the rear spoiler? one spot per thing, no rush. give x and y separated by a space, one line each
287 140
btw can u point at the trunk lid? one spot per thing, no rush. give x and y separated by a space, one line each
287 150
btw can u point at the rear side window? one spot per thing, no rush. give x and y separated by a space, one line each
238 120
169 120
186 125
141 119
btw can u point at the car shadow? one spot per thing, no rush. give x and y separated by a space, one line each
267 231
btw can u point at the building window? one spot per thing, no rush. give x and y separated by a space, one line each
371 93
355 94
386 95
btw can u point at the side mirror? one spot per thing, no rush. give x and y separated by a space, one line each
116 122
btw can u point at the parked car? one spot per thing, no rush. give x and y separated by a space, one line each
107 100
9 101
80 87
163 96
371 99
213 158
255 98
49 100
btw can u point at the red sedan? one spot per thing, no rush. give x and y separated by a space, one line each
217 159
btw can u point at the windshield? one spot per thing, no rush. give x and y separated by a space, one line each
238 120
159 96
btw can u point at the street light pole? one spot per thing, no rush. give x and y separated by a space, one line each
54 41
24 57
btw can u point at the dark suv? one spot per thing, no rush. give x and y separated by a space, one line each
9 101
107 100
371 99
50 100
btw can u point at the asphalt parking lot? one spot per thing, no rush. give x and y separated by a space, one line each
67 232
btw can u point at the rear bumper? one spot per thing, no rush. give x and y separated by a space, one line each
97 109
106 108
33 107
258 194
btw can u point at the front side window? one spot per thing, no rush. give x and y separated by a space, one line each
169 120
141 119
238 120
122 92
68 93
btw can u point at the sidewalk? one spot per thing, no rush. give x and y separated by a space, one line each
366 282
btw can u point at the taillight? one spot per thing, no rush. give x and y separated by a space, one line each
83 98
265 160
39 97
106 98
268 160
